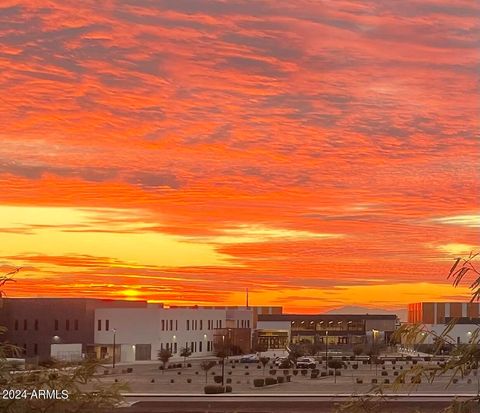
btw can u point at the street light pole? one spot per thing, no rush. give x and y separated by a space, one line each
223 360
326 350
114 346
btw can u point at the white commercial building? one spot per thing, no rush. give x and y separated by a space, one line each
140 333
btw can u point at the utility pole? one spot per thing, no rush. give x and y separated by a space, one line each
114 347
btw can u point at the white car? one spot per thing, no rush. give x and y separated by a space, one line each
306 363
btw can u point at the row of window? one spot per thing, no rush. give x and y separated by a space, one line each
99 325
194 346
243 323
56 325
168 325
25 347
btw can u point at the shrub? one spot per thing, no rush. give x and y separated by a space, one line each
270 380
416 380
359 380
304 372
189 380
229 380
213 389
228 389
281 379
330 372
355 366
259 367
323 374
159 368
455 380
171 380
289 378
285 372
295 372
384 373
273 372
217 379
259 382
313 375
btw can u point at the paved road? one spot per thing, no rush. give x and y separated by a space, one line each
275 403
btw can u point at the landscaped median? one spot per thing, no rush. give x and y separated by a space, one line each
217 389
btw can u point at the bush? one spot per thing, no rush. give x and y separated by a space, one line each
259 367
213 389
313 375
273 372
304 372
228 389
289 378
189 380
281 379
129 370
259 382
359 381
217 379
295 372
270 380
159 368
384 373
323 374
286 372
229 380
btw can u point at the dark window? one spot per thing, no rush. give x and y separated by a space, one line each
176 324
16 324
163 325
171 324
67 325
175 347
201 324
36 325
188 324
99 325
25 324
25 348
75 324
191 346
200 346
56 325
35 349
107 325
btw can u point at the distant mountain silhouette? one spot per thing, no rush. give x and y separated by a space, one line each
400 312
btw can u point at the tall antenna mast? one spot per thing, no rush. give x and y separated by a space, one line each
246 297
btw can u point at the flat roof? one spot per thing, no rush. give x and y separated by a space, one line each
319 317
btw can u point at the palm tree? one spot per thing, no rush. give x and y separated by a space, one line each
206 365
185 352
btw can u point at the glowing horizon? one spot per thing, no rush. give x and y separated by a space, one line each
177 152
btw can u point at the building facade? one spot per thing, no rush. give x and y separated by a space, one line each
339 330
140 333
39 325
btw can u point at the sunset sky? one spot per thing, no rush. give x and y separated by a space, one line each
320 153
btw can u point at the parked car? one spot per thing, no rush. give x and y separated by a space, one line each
306 363
249 358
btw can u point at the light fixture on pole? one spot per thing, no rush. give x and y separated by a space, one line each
114 346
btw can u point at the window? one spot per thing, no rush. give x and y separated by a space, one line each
191 346
248 323
76 325
176 324
188 324
56 325
99 325
35 326
163 325
161 346
175 347
16 324
67 325
195 346
220 323
25 348
200 346
25 324
35 349
171 324
107 325
201 324
208 345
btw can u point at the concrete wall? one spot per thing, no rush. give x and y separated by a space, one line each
66 352
174 328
